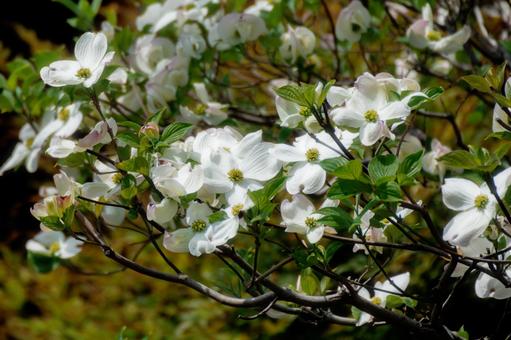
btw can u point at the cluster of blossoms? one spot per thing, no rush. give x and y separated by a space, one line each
145 136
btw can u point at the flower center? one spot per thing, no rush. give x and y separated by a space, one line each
200 109
371 116
434 35
198 225
376 300
236 209
305 111
235 175
312 154
54 247
117 178
481 201
311 222
83 73
63 114
29 142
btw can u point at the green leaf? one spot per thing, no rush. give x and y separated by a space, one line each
137 164
345 188
394 301
477 83
42 263
383 168
324 91
350 170
331 250
217 216
460 159
309 282
332 164
495 76
389 191
293 93
410 167
335 217
173 133
52 222
129 138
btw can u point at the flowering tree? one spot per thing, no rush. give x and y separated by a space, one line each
277 130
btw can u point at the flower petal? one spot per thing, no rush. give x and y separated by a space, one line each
466 226
90 49
61 73
459 194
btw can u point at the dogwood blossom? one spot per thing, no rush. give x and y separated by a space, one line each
297 42
201 236
299 216
395 285
430 161
23 151
209 111
91 59
242 167
163 211
191 42
54 243
370 115
422 34
234 29
306 175
352 22
476 206
370 234
490 287
173 182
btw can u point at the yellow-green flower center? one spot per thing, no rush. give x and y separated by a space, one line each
481 201
434 35
311 222
63 114
83 73
117 178
54 247
198 225
200 109
312 154
371 116
235 175
376 300
305 111
236 209
29 142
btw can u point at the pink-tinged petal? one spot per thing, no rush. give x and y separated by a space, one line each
61 73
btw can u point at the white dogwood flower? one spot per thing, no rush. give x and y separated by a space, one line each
487 286
381 292
306 175
352 22
370 234
150 50
234 29
191 43
24 151
174 183
297 42
370 115
162 212
476 206
201 236
54 243
211 112
422 34
91 59
291 114
299 216
242 167
430 161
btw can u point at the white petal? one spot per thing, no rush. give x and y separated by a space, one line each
502 181
197 211
499 114
90 49
487 286
258 164
297 210
61 73
287 153
201 243
307 178
372 132
466 226
459 194
394 110
224 230
46 132
178 240
17 157
315 234
69 248
345 116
